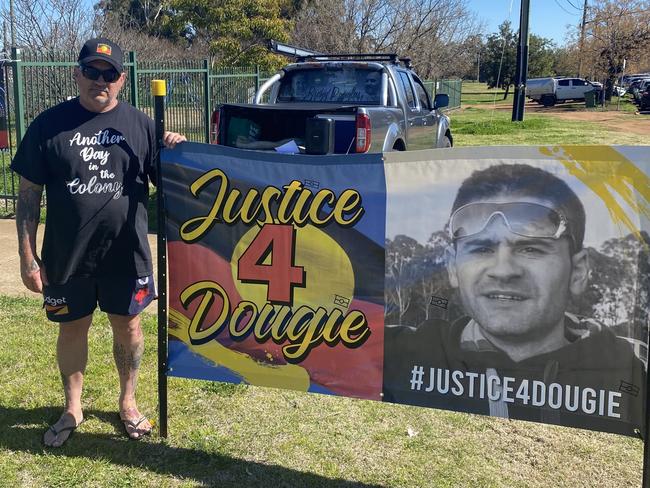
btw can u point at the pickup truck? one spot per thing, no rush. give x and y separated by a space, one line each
549 91
341 104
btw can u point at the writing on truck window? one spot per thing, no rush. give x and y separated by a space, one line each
348 85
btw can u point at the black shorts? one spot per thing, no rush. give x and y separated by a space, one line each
117 295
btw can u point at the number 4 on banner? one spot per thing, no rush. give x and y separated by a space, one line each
278 242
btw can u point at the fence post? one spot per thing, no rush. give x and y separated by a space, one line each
133 75
19 95
257 78
207 93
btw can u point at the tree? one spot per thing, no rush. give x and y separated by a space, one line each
500 59
231 32
433 33
148 47
541 57
616 30
50 25
236 31
145 16
619 285
400 276
566 60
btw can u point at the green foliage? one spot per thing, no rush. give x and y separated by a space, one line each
541 57
237 31
499 60
500 73
152 17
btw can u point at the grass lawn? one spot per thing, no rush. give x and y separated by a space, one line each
476 126
236 436
479 93
480 123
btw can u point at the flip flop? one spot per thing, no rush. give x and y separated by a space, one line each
56 433
134 424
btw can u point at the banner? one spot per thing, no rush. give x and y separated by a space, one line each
505 281
276 269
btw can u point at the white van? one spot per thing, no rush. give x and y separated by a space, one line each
549 91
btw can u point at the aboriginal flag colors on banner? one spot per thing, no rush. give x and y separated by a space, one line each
504 281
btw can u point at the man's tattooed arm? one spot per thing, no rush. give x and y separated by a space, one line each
28 213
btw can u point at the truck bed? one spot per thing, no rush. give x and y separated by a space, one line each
266 126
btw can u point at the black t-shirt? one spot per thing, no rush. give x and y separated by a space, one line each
95 168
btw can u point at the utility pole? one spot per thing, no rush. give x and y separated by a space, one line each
581 44
478 66
522 64
12 23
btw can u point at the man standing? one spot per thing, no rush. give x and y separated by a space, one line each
516 259
94 155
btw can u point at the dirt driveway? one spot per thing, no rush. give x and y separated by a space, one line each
614 120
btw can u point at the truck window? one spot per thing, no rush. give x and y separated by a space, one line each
564 82
579 82
423 97
408 89
332 84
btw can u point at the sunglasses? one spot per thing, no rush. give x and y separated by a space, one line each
109 75
522 218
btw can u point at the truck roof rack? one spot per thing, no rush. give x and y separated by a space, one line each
392 58
289 50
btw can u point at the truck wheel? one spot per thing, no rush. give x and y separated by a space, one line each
446 142
548 100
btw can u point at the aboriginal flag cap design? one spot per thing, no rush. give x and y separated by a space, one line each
102 49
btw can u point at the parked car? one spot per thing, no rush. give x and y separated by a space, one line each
549 91
627 80
637 87
348 103
644 100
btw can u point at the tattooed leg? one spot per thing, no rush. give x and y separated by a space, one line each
72 356
128 347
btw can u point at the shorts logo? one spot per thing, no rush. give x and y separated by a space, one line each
143 281
55 301
56 306
141 294
57 310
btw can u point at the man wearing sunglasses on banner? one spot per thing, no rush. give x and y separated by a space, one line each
516 258
94 155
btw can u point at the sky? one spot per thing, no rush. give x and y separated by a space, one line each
548 18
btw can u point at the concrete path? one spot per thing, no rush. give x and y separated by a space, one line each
10 282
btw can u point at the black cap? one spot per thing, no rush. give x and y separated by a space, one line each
102 49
